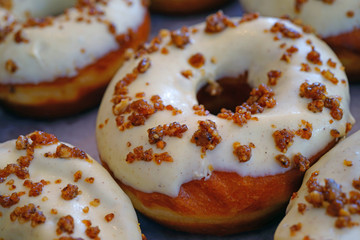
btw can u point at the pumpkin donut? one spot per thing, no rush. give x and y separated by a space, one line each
57 57
337 22
195 168
53 190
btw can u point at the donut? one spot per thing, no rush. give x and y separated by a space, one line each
328 202
184 6
53 190
195 168
337 22
58 56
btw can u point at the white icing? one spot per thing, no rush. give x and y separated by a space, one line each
66 46
112 199
246 47
315 222
326 19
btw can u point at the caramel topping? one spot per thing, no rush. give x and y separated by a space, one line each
180 37
11 66
242 152
314 57
301 162
273 76
28 213
197 60
284 31
283 160
283 139
69 192
207 136
65 224
139 154
217 23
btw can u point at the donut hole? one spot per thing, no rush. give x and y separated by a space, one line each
44 8
226 92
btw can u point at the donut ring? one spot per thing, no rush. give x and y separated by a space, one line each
175 159
58 66
336 173
337 22
52 190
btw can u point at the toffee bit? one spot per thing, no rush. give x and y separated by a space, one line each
8 201
295 228
348 163
187 73
327 74
180 37
306 131
301 162
69 192
92 232
139 154
299 4
200 110
334 133
197 60
283 139
64 151
273 76
305 67
242 152
314 57
331 63
217 22
35 188
285 31
249 17
144 65
174 129
283 160
77 175
22 142
28 213
11 66
207 136
348 127
109 217
302 208
65 224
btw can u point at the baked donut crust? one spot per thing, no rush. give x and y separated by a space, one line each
78 93
222 204
184 6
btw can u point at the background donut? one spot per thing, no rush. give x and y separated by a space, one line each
53 66
337 22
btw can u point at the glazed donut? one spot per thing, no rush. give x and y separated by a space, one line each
52 190
328 202
337 22
61 65
227 171
184 6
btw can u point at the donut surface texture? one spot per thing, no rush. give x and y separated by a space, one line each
337 22
328 202
52 190
167 150
58 58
